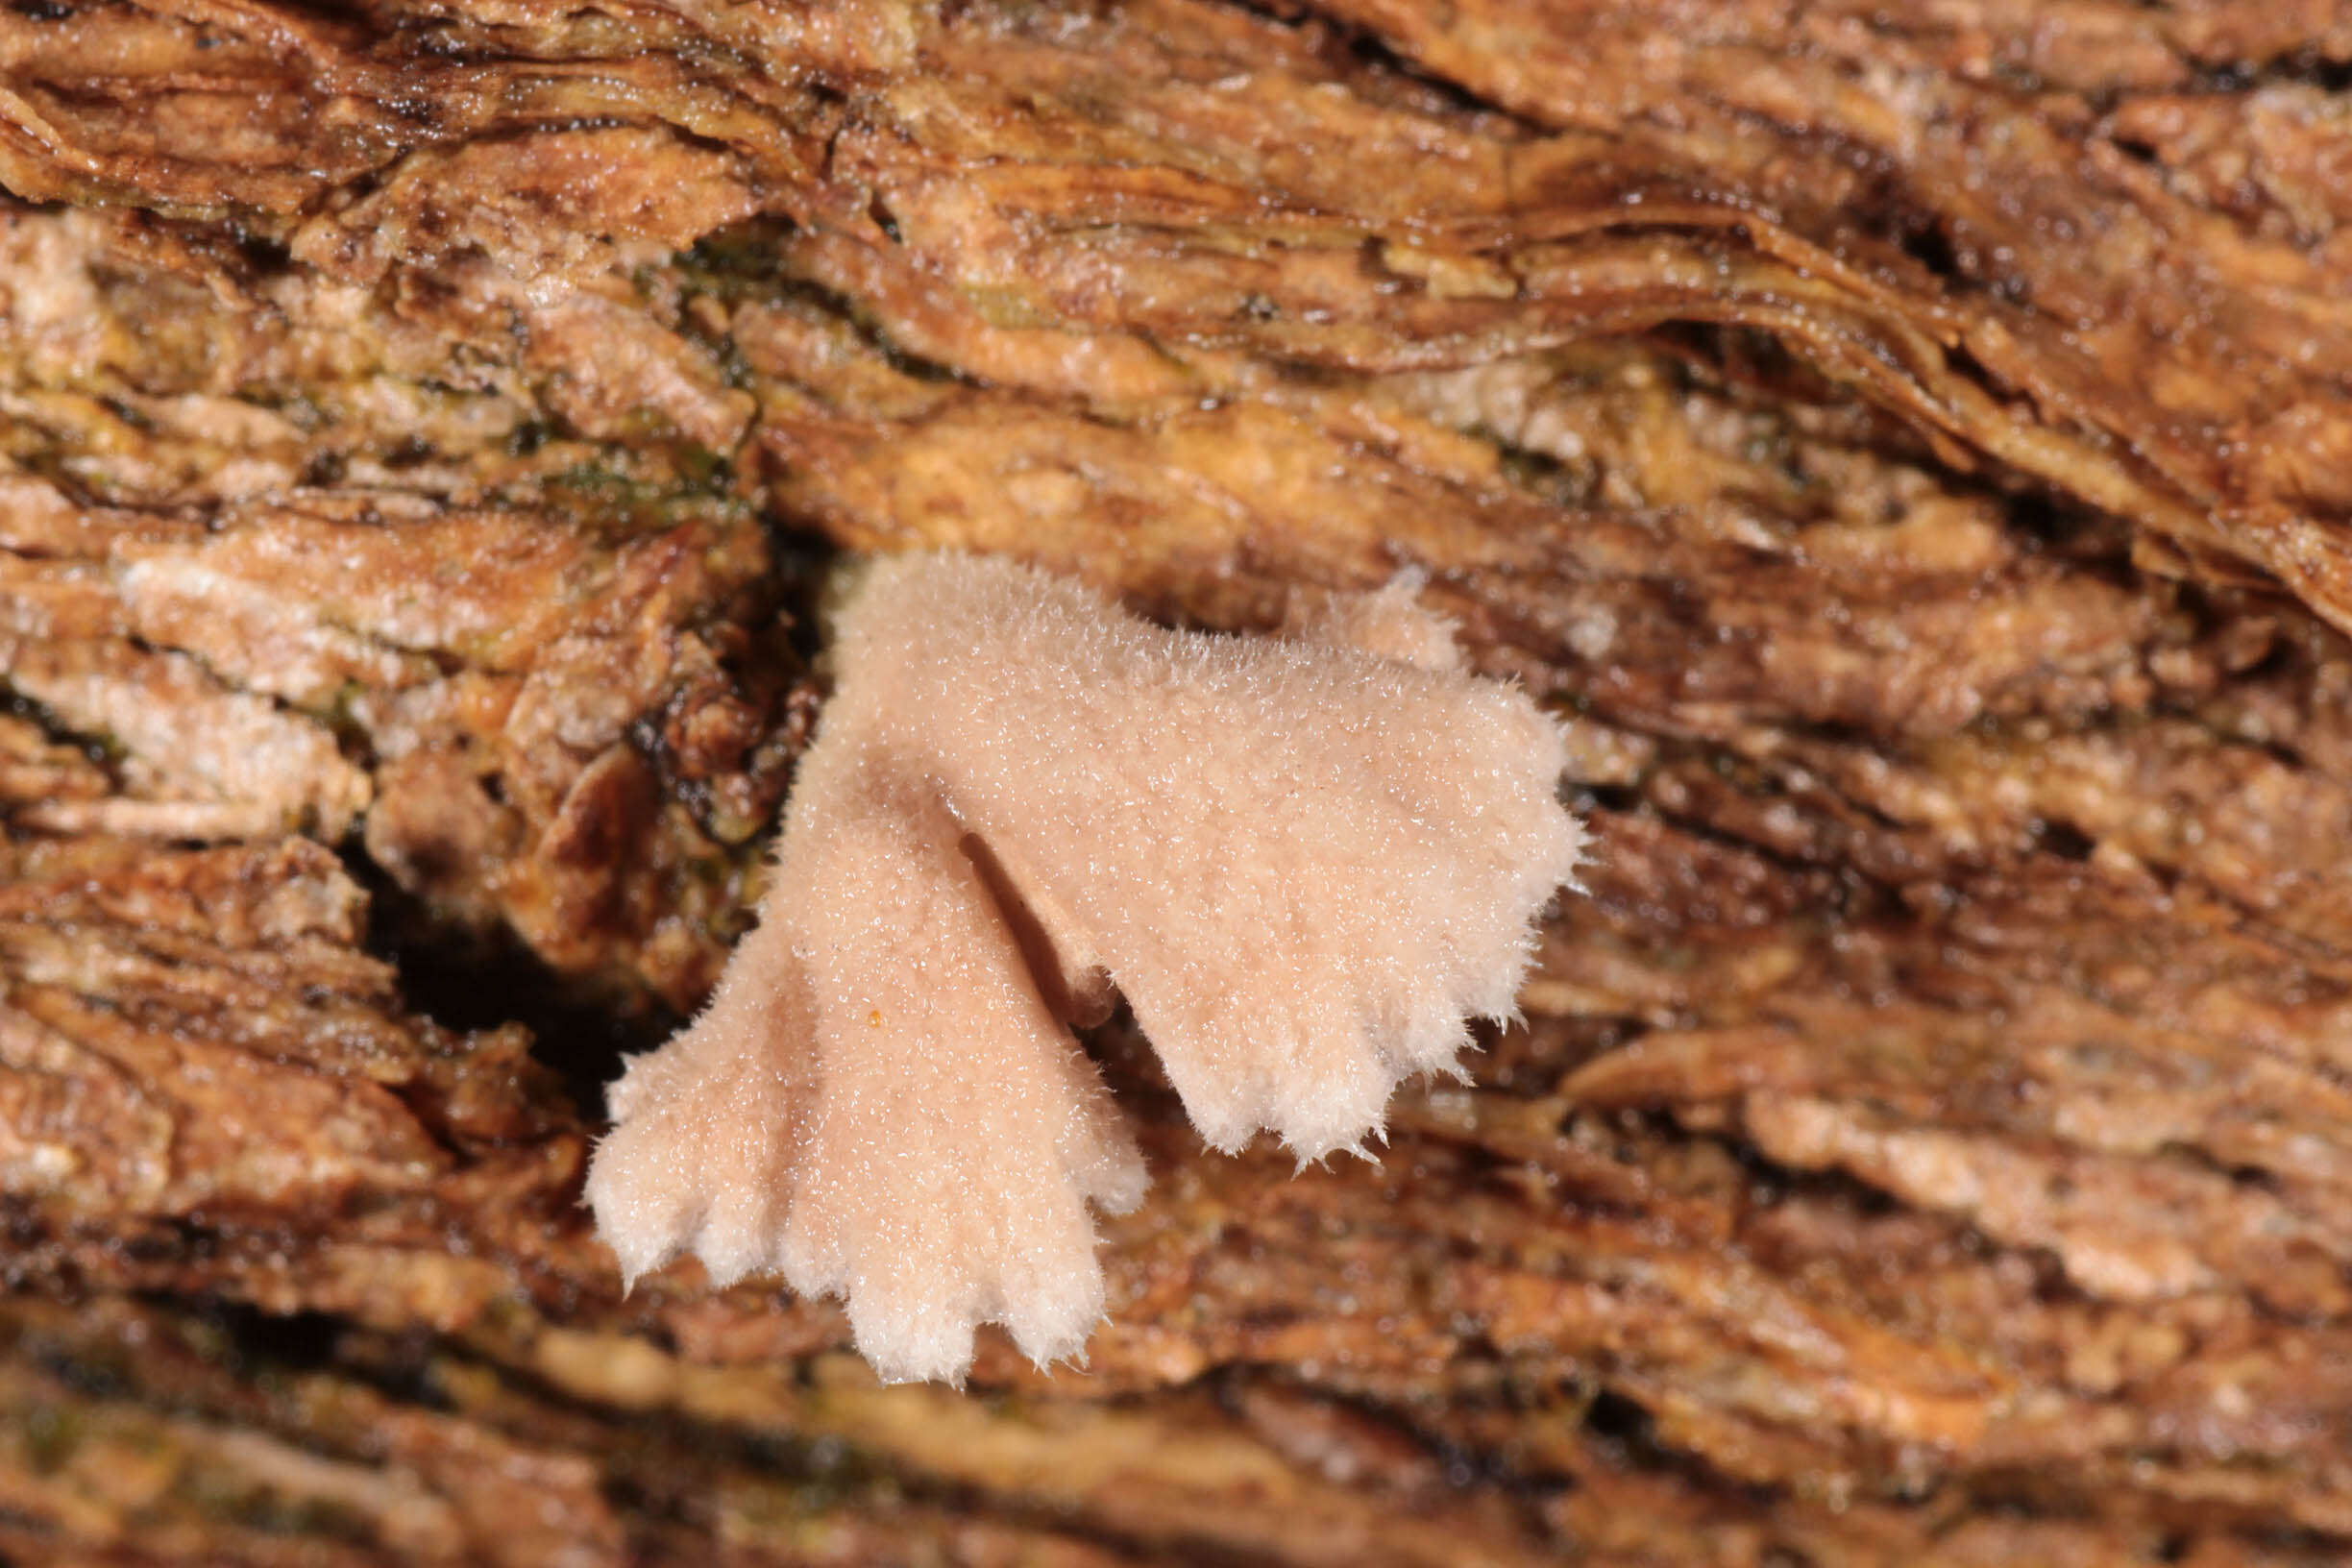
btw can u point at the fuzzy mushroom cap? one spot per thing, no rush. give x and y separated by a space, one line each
1305 861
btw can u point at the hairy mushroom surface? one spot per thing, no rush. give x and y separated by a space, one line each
1303 861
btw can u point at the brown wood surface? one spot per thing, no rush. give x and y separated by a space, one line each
1914 444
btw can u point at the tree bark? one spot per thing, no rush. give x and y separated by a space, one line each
1912 445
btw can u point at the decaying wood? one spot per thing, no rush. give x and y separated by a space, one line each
1913 442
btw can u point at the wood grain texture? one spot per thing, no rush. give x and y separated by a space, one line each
1910 443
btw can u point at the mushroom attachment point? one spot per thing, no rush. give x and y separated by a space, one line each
1306 862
